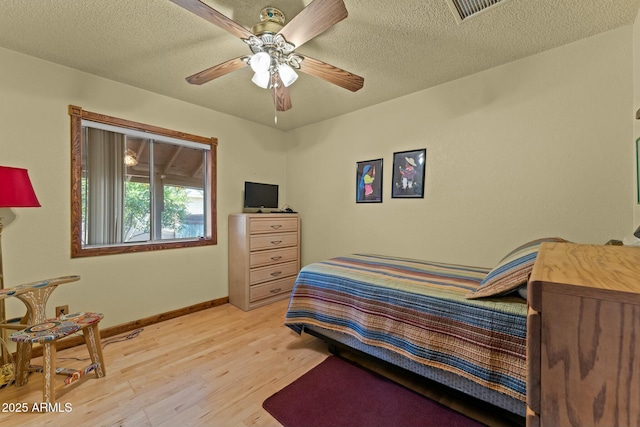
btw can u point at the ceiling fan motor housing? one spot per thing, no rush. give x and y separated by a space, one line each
271 21
268 40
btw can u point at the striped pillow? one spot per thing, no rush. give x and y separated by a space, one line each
512 271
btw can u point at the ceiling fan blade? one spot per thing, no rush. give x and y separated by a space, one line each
280 92
314 19
217 71
206 12
332 74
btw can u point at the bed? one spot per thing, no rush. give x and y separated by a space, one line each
462 326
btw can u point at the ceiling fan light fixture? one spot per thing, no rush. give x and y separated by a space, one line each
130 158
287 74
260 62
262 79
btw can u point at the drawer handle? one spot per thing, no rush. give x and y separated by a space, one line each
276 226
276 242
276 273
277 257
275 291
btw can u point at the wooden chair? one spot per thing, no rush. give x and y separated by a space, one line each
47 334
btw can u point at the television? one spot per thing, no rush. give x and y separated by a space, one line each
260 197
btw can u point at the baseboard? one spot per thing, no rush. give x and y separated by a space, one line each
136 324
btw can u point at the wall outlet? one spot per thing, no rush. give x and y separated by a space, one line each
62 310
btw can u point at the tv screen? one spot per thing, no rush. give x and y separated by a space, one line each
260 196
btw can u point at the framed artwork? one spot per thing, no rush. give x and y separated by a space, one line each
638 168
408 174
369 181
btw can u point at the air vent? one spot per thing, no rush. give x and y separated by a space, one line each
465 9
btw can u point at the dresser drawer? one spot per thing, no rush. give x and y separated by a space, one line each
263 274
277 256
271 225
272 241
270 289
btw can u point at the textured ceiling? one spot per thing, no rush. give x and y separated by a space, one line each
399 47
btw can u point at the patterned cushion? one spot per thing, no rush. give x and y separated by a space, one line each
512 271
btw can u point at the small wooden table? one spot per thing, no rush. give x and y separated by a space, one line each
35 296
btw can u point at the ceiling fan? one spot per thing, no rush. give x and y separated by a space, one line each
273 45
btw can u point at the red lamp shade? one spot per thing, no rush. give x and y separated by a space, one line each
15 189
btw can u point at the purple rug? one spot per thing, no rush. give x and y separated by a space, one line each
338 393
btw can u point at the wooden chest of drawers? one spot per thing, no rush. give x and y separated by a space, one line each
264 258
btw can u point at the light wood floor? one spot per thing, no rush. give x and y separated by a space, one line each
210 368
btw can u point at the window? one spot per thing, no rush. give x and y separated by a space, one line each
137 187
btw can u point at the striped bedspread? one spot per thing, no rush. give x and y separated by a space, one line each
418 309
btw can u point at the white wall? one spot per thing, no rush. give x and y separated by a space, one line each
34 134
538 147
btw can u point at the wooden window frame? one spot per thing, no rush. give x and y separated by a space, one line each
77 250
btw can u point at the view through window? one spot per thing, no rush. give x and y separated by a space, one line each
139 189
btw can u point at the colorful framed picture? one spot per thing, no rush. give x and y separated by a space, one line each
369 181
408 174
638 168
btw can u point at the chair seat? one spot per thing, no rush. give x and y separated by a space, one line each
56 328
